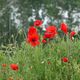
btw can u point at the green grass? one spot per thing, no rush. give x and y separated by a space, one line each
41 62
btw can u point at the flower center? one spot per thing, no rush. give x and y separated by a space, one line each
33 39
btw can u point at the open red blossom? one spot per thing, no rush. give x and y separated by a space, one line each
51 31
38 23
32 30
14 67
33 39
48 35
64 59
72 34
64 28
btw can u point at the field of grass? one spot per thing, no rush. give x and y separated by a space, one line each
41 62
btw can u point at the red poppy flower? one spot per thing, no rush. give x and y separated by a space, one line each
64 28
32 30
4 65
51 31
64 59
44 41
38 23
72 34
14 67
33 39
48 35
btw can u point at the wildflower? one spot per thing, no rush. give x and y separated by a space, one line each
44 41
4 65
64 59
38 23
32 30
14 67
33 39
51 31
48 35
72 34
64 28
